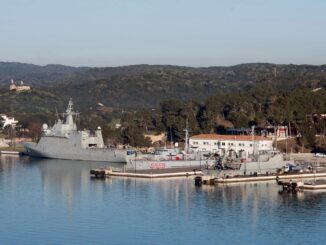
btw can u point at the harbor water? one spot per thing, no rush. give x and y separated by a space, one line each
56 202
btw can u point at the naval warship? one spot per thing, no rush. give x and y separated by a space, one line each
165 158
65 141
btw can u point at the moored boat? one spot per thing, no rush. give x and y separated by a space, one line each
164 158
65 141
269 162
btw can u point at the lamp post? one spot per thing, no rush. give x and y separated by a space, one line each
253 141
135 161
315 170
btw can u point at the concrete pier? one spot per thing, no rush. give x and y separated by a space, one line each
9 152
317 184
153 173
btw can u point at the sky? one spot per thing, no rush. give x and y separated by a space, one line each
178 32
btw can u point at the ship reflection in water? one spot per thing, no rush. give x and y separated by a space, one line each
56 201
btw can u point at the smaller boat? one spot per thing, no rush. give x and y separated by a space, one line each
164 158
266 163
173 157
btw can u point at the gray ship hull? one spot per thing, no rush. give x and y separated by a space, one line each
269 166
165 164
61 151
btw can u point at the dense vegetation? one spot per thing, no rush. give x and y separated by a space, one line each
301 109
163 98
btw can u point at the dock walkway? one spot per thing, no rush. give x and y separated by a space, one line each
242 179
3 152
151 173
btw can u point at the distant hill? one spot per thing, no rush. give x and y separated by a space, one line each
147 85
34 74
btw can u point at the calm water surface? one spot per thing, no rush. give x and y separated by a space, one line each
56 202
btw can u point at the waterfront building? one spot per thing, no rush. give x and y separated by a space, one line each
232 145
277 132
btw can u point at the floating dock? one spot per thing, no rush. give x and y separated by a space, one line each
209 180
300 185
9 152
149 174
315 185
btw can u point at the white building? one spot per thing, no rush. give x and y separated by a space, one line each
238 145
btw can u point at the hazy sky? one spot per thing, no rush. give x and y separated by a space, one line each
179 32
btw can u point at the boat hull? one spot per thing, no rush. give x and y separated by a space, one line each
165 164
270 166
99 155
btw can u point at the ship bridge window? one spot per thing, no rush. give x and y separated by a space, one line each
92 133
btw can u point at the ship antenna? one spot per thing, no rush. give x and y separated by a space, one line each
77 119
171 136
70 107
56 112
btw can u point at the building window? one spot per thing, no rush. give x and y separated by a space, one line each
223 143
